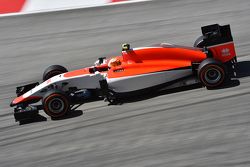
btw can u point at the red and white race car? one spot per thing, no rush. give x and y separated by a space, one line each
137 70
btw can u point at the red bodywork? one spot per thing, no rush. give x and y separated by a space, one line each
166 57
223 52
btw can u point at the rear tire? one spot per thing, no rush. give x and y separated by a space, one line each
199 42
212 73
52 71
56 104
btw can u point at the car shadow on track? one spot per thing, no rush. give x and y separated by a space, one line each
230 84
37 118
243 69
71 114
40 118
153 94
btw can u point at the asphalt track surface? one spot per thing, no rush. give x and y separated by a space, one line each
196 127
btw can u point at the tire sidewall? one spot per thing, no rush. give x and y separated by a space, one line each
47 101
199 42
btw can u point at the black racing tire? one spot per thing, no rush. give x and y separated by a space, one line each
199 42
56 104
52 71
212 73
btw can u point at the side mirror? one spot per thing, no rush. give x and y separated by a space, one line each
101 59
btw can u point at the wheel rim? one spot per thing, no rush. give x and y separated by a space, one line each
213 76
56 105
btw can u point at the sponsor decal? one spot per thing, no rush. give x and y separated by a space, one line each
225 52
48 81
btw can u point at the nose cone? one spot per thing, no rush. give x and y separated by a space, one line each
17 100
21 99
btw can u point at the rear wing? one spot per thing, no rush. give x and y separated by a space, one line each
219 41
215 34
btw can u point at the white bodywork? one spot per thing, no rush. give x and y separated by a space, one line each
137 82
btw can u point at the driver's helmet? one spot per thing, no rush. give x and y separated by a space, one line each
114 62
125 46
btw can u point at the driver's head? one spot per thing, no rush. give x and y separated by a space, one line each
114 62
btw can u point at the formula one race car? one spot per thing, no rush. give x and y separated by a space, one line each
165 66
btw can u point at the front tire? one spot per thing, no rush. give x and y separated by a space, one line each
55 104
211 73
